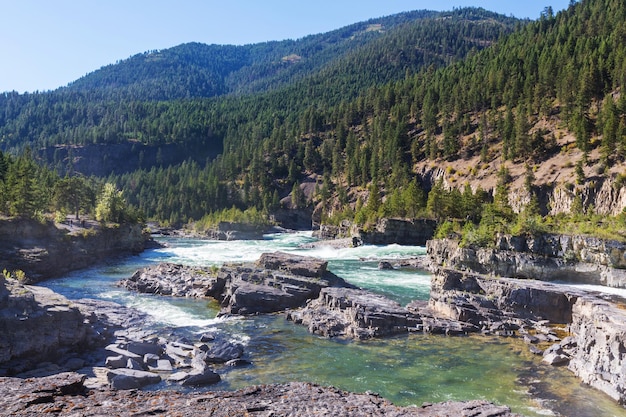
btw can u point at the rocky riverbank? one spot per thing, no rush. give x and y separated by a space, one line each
545 257
66 394
115 353
595 325
46 250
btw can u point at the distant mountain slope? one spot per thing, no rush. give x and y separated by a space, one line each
196 70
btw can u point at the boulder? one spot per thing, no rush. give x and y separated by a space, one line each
198 378
354 313
114 362
555 359
277 282
131 378
223 351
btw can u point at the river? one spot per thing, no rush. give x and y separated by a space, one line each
406 370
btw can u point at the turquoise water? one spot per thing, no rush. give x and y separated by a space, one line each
407 370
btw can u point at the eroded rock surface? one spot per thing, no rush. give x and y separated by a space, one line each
276 282
354 313
44 251
65 395
175 280
596 348
546 257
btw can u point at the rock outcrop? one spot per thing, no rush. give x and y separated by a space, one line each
65 394
546 257
175 280
401 231
595 350
276 282
42 250
354 313
236 231
36 325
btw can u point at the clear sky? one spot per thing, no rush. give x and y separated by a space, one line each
45 44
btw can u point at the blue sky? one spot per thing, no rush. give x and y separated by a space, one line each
47 44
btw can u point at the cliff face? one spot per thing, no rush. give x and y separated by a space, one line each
44 251
36 324
546 257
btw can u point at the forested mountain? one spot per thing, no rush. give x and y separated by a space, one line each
159 97
469 94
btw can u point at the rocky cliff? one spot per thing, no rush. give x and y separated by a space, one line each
43 250
36 326
387 231
545 257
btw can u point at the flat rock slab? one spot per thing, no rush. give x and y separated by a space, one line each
64 394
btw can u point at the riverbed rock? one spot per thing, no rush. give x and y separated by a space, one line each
354 313
65 394
175 280
276 282
124 378
595 349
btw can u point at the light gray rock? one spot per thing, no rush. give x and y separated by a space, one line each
125 376
555 359
117 361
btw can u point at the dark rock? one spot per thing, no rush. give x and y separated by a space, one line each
385 265
354 313
237 362
304 266
38 325
66 392
175 280
134 364
114 362
224 351
43 250
237 231
401 231
198 378
277 282
123 382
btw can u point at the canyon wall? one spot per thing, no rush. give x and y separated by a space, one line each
43 250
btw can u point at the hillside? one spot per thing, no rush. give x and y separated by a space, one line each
479 108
